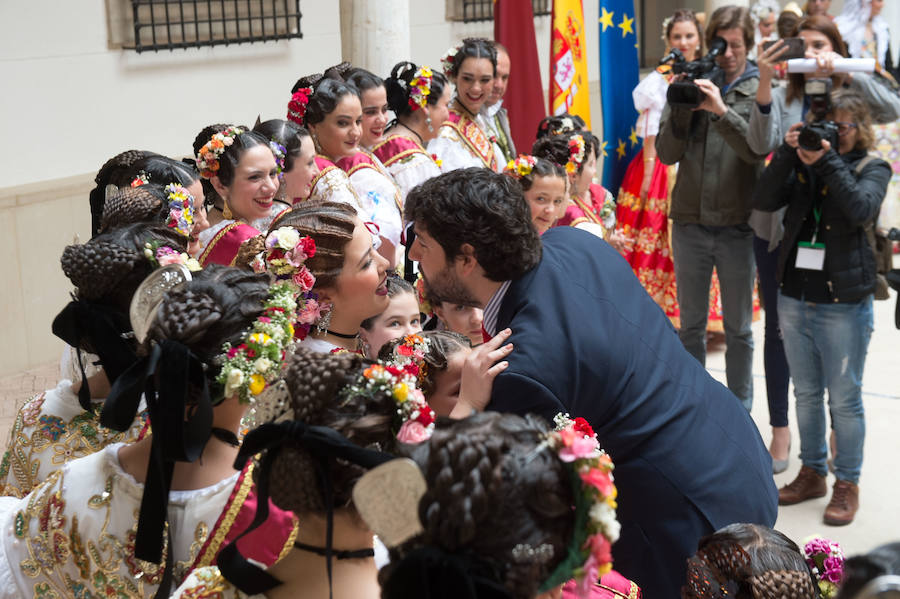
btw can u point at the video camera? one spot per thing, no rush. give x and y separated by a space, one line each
818 92
685 93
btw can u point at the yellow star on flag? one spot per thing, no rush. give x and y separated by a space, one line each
606 19
633 137
625 25
621 149
603 149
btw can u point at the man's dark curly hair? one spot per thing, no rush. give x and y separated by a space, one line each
484 209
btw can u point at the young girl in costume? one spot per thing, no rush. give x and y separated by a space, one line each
331 109
374 101
240 169
497 519
464 139
300 168
334 406
418 97
61 424
400 318
544 187
345 277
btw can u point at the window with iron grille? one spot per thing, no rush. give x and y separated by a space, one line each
469 11
171 24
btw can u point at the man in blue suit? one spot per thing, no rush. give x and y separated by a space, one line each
589 341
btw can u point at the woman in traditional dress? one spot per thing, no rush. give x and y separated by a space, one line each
642 209
61 424
330 108
240 169
336 406
464 139
374 101
300 168
773 114
345 277
418 97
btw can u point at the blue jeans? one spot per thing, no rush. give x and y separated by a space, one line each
826 348
774 363
696 250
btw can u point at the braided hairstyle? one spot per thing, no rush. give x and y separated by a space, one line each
748 561
147 203
859 570
556 124
473 47
315 382
398 93
328 90
216 307
491 488
116 171
162 170
442 345
331 226
555 148
288 134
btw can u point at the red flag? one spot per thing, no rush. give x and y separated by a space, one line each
524 99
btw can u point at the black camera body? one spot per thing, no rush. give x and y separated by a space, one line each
685 93
818 92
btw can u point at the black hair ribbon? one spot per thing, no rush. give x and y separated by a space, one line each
324 444
430 572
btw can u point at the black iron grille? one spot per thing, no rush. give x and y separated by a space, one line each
483 10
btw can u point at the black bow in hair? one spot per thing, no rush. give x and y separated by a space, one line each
430 572
324 445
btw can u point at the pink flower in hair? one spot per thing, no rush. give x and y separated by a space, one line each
304 279
576 446
413 431
310 313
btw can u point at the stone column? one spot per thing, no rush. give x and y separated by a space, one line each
711 5
375 34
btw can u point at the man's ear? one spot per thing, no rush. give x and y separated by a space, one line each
466 259
439 311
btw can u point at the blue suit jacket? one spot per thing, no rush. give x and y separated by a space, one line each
590 341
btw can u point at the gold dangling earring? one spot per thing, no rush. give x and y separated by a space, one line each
315 139
226 211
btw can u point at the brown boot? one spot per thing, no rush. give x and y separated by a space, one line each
843 505
808 485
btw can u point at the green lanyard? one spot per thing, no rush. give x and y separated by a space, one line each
817 214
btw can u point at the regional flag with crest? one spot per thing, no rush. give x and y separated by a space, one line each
568 61
618 77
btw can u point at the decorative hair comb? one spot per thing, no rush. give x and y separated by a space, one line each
150 294
387 498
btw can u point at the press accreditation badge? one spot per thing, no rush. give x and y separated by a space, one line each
810 256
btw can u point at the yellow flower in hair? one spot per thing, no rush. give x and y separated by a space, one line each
257 384
260 338
571 168
401 392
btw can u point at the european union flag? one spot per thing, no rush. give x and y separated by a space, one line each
618 76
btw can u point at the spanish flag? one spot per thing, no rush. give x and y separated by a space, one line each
569 90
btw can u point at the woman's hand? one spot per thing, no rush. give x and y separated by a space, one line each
810 157
824 64
766 61
645 183
480 369
790 138
617 240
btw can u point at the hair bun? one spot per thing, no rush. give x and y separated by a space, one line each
185 316
131 205
249 249
96 268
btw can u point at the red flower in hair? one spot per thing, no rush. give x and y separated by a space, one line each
583 427
308 245
297 105
426 416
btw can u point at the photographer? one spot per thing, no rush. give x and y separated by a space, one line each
774 112
826 270
712 196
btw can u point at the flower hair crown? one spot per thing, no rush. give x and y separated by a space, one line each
420 88
250 366
298 104
209 154
576 154
826 561
414 418
409 354
181 209
161 255
520 167
596 528
285 258
448 60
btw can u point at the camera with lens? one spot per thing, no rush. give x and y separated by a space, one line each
685 93
818 93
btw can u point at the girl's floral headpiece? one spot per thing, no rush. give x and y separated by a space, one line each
576 154
298 104
181 209
162 255
142 178
596 528
414 419
285 258
254 363
420 88
209 154
409 355
448 60
826 561
279 151
520 167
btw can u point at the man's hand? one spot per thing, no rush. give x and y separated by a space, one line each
478 373
790 138
810 157
713 101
